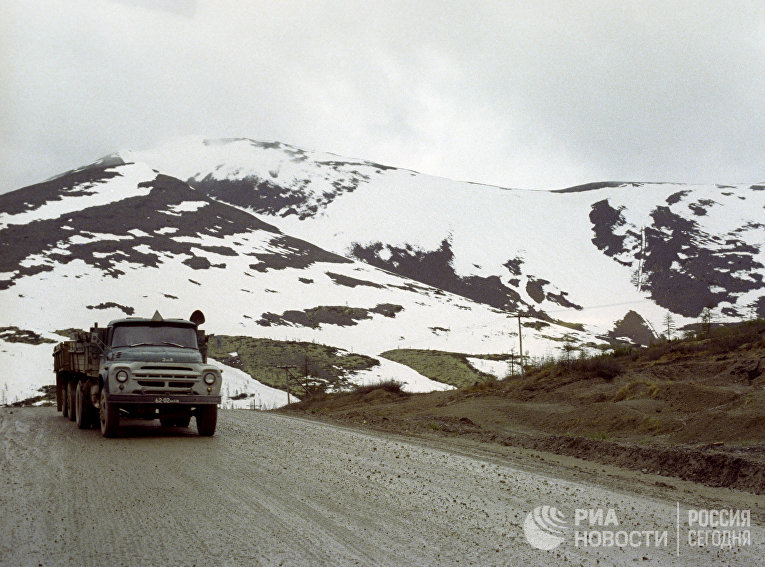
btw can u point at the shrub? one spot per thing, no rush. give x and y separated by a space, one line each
725 339
621 350
655 352
601 366
484 386
392 386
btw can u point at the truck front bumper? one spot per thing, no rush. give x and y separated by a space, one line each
162 399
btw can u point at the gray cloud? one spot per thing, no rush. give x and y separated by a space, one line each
542 95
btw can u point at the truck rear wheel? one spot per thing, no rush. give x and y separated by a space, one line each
207 419
71 399
64 400
59 392
110 417
83 417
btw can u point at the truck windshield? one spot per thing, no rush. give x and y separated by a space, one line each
135 335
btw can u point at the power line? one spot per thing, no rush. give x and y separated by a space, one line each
424 339
591 307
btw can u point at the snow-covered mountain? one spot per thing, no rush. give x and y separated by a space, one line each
275 241
656 246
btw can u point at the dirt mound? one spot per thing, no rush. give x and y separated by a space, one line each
704 465
690 409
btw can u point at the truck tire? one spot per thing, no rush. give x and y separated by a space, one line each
71 399
59 393
207 419
109 417
64 400
83 417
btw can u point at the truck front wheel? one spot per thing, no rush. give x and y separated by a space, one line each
110 417
71 399
207 419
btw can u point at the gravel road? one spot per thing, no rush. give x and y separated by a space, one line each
274 490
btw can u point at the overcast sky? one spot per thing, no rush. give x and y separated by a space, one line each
527 94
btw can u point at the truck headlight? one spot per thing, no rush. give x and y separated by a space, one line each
121 376
210 378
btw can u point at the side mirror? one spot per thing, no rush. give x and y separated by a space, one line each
197 318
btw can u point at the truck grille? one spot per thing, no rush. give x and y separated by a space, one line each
166 377
166 372
165 369
164 384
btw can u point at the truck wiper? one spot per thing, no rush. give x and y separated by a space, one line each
174 344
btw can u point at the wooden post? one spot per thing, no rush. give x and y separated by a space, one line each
520 344
287 376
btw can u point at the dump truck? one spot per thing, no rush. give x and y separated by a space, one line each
138 368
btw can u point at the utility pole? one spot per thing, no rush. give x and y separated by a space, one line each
287 375
640 261
520 345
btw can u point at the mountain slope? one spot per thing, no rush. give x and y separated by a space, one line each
656 246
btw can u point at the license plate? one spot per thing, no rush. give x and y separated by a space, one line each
165 401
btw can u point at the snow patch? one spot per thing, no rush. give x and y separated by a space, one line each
188 206
26 369
259 396
498 368
412 380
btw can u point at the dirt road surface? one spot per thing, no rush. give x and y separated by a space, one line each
274 490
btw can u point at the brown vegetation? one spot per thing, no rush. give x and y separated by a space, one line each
691 408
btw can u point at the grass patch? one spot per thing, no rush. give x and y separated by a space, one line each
599 436
637 389
260 358
447 367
